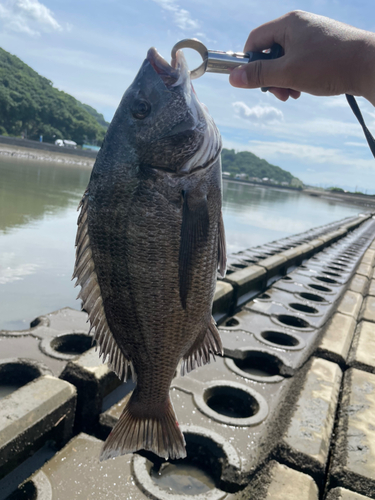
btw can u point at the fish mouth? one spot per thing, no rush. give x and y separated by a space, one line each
172 75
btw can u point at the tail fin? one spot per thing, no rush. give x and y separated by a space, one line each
159 434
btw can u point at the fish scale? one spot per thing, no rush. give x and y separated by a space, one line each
151 227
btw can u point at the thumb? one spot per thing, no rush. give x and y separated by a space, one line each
261 73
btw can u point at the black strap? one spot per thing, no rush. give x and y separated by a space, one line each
353 104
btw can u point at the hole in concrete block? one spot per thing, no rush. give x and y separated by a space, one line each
239 266
287 278
330 273
337 268
259 363
72 344
303 308
325 279
231 402
311 296
293 321
14 375
264 296
320 287
232 322
280 338
197 474
250 261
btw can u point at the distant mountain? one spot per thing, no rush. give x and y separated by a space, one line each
98 116
30 105
249 165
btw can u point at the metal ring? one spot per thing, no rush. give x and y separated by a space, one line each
195 44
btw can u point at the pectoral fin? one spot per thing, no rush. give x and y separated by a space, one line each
222 249
194 233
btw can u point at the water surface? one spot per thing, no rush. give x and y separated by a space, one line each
38 203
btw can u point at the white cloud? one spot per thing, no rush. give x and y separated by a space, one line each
28 16
259 114
310 154
182 17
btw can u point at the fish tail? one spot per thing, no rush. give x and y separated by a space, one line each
159 432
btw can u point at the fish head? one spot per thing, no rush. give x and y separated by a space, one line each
163 120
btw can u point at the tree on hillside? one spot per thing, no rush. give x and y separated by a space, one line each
30 104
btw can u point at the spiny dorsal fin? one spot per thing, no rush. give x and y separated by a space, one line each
194 233
201 352
92 302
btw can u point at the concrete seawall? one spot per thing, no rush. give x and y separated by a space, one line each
286 414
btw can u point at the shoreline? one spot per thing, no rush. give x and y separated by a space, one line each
25 153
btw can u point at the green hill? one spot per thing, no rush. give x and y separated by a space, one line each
252 166
30 104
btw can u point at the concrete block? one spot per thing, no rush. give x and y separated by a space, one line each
353 457
283 348
337 339
368 309
278 303
371 290
362 353
365 270
247 283
306 443
369 257
333 236
359 284
43 409
75 472
295 256
275 267
94 380
222 300
343 494
350 304
232 407
278 482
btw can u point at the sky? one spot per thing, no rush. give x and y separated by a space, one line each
93 50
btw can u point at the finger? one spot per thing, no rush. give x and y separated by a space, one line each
262 73
282 94
265 36
294 94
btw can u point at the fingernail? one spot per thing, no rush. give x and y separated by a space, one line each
238 77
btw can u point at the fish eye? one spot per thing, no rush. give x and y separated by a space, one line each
141 109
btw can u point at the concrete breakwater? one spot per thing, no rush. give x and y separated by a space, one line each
285 414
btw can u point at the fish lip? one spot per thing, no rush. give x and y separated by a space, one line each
170 74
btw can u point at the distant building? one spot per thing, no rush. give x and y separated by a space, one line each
265 179
226 174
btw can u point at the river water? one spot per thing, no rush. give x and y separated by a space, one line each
38 216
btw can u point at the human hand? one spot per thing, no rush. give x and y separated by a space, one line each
321 57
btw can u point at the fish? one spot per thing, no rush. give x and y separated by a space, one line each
150 243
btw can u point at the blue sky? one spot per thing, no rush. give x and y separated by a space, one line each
93 50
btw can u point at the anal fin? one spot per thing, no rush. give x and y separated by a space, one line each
202 352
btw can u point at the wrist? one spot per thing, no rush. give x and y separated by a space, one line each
367 75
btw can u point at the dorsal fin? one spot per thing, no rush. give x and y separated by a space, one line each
92 302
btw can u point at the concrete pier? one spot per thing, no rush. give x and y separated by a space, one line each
288 413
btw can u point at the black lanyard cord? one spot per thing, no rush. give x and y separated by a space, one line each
353 104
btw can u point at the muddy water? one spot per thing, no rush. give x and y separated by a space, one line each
183 479
38 223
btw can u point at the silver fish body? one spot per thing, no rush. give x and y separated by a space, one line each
149 242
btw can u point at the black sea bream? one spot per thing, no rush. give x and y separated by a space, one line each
149 243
